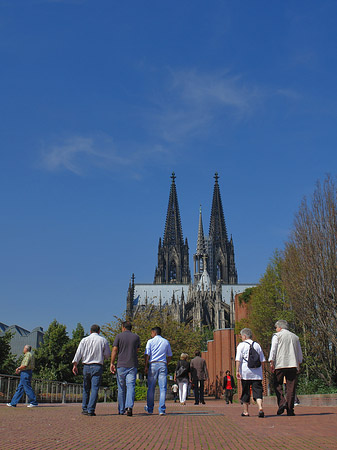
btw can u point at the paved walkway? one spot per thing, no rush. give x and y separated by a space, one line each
211 426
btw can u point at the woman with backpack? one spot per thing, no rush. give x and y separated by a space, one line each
182 376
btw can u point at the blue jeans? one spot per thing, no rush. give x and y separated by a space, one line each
157 371
126 380
24 386
92 375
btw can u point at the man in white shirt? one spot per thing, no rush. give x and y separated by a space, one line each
285 358
92 350
157 356
250 377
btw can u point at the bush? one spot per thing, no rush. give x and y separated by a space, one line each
140 390
315 386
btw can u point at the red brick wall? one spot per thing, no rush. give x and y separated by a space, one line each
220 354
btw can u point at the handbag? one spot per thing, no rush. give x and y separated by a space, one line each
181 372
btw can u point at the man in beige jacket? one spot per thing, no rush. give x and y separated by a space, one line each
199 374
285 358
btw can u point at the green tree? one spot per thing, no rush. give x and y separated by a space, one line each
53 358
267 303
310 275
182 338
8 361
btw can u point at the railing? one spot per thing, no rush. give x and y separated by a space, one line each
47 391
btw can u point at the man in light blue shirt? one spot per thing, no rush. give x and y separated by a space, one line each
157 356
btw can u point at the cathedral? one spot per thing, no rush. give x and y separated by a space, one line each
207 298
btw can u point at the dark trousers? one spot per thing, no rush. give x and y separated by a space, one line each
290 374
229 395
199 391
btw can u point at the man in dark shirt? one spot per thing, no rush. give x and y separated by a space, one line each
126 345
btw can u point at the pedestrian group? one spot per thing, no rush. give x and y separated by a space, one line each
285 358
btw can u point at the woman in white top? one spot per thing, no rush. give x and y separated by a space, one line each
251 377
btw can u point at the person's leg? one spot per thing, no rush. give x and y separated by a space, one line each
96 376
27 379
245 397
196 391
184 391
278 386
227 396
291 376
18 393
162 382
121 383
180 384
86 387
130 387
152 377
257 390
201 392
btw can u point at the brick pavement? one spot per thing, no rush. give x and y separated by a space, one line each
211 426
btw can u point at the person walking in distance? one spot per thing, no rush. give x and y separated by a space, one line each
26 372
158 354
199 375
126 345
229 386
285 358
182 376
92 350
249 358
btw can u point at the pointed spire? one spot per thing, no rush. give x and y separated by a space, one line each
217 226
173 234
201 248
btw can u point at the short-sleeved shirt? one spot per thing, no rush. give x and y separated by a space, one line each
127 343
242 353
28 361
158 348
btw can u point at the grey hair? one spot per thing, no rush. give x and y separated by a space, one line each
246 332
28 347
282 324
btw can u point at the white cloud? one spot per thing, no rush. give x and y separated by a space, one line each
79 155
193 101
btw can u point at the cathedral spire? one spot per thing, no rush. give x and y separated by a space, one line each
201 249
217 226
173 259
173 234
221 251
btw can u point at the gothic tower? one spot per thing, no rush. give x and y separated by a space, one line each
173 259
221 264
201 253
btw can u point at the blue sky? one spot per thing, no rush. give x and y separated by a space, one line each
102 100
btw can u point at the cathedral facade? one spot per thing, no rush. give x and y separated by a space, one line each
207 298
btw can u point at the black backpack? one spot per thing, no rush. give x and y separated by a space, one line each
253 357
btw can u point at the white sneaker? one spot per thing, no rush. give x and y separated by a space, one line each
147 410
31 405
162 414
11 406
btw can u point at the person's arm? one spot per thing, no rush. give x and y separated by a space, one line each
23 366
112 361
106 350
273 351
299 355
206 371
168 359
146 367
238 374
77 358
